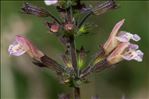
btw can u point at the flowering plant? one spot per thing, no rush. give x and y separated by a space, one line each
66 28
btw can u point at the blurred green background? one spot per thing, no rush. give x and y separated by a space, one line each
20 79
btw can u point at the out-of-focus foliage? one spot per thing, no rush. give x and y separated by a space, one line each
20 79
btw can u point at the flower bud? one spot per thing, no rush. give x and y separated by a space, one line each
53 27
68 26
22 45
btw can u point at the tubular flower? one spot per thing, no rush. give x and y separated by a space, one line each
50 2
22 45
117 37
125 51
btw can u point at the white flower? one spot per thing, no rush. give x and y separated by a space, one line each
50 2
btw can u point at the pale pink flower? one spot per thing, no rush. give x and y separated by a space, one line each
22 45
125 51
117 37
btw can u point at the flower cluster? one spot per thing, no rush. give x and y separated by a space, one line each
118 47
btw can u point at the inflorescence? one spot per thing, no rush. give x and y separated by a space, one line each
118 47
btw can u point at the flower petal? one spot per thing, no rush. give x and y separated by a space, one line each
128 58
122 39
16 49
117 55
133 55
27 45
22 41
117 27
138 58
111 43
124 36
50 2
136 37
140 53
133 46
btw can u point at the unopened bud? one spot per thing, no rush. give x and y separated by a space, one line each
53 27
68 26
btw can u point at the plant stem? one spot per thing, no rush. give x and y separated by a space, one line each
73 54
91 66
84 19
77 93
